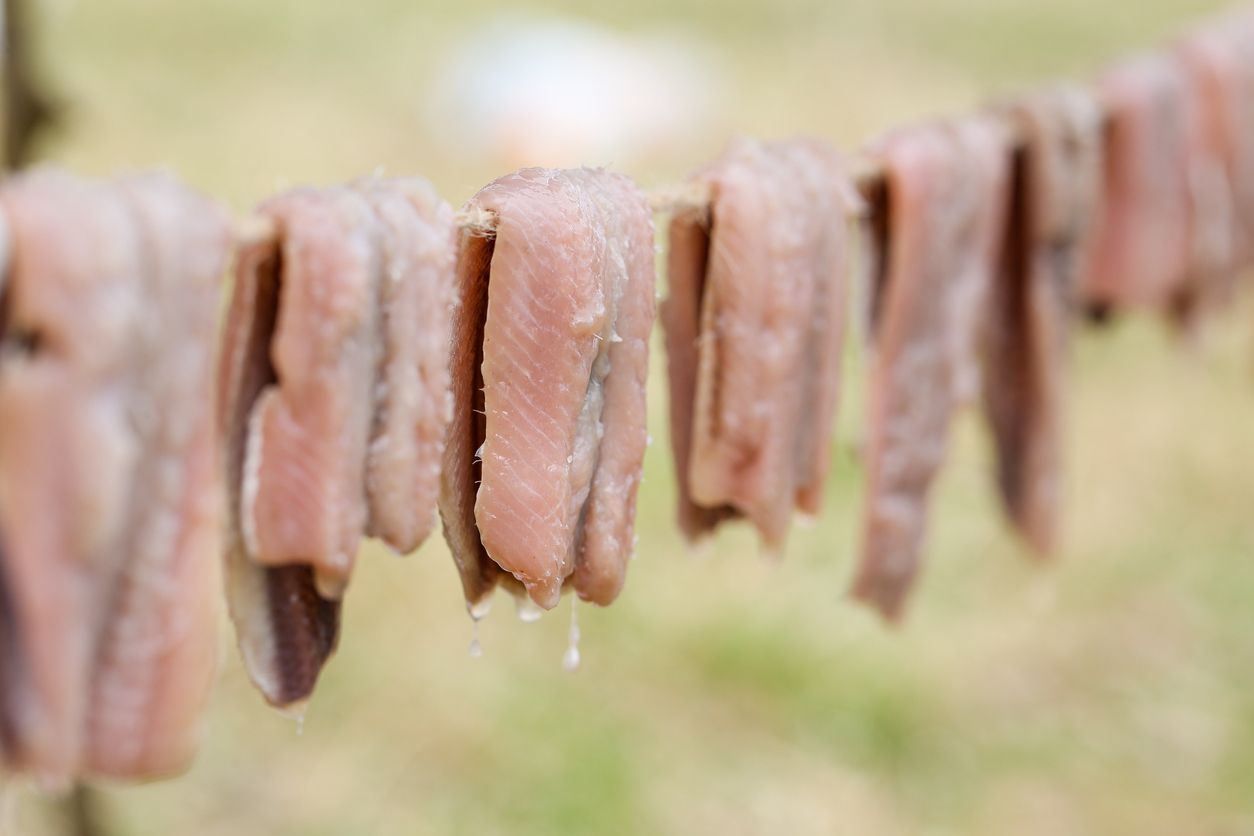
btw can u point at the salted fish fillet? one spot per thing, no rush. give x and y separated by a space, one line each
108 490
334 391
413 399
1141 247
1219 74
461 471
1055 188
303 498
284 628
755 323
687 254
944 202
566 293
158 655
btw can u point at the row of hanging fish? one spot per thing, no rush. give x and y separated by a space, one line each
385 357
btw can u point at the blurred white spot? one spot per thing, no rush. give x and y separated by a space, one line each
529 611
571 659
562 93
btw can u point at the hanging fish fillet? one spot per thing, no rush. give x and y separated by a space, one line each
108 491
413 400
1055 186
1141 246
1219 72
554 329
302 495
944 199
754 328
334 397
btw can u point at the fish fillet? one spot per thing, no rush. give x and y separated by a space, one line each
1220 81
1141 246
335 399
157 657
687 255
413 402
566 294
946 197
107 485
1054 193
755 323
303 497
462 468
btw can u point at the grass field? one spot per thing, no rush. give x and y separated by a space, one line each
1110 693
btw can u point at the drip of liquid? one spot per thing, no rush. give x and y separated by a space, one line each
528 611
479 609
296 713
571 659
476 648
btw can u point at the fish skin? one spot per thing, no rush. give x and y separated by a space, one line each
303 496
564 311
114 286
946 193
1141 245
413 404
1054 197
772 296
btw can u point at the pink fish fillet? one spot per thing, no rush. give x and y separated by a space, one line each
157 657
335 399
755 325
945 199
1141 249
1220 78
568 305
413 402
108 489
303 496
687 256
461 471
1054 192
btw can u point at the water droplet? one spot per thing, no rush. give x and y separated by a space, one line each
571 659
296 713
479 609
528 611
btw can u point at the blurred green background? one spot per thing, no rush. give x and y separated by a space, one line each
1112 692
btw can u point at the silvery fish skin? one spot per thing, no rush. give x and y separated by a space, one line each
108 488
943 207
1055 188
754 324
553 329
